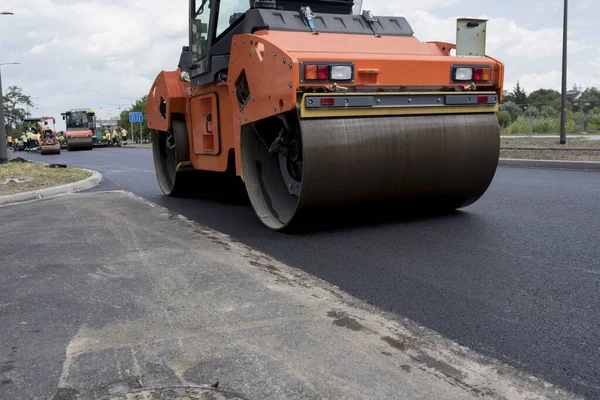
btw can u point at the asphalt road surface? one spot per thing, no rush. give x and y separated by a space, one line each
515 276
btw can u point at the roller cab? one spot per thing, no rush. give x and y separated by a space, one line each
314 108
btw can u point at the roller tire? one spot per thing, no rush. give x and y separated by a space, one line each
166 159
218 186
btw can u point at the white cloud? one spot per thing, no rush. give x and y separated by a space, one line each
553 79
38 49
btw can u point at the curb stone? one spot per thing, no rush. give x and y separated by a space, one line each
74 187
551 164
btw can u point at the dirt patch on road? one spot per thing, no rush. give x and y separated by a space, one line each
18 177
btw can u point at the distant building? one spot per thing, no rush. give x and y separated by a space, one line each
107 123
574 94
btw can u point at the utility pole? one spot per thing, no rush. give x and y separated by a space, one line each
3 149
130 123
119 106
563 97
582 117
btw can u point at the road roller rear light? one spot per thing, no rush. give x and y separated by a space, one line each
323 72
341 72
327 101
310 72
472 74
328 72
463 74
482 74
482 99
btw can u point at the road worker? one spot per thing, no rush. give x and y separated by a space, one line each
30 140
123 135
23 138
37 138
9 142
46 131
115 137
106 136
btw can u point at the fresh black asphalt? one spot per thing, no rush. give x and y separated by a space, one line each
515 276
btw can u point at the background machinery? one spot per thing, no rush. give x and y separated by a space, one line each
314 107
81 125
49 143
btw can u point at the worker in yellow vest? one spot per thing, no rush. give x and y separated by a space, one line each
115 137
123 135
107 136
30 140
23 138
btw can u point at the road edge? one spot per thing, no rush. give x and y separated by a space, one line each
551 164
73 187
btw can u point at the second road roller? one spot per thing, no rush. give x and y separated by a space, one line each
315 107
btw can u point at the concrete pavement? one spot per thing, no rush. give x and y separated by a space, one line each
515 276
116 297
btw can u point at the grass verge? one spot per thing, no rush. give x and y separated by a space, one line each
550 149
19 177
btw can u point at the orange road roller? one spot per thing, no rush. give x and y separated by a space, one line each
81 124
316 107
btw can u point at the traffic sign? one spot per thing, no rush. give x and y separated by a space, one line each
136 117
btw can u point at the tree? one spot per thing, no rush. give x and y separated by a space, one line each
513 109
545 97
14 112
139 106
519 95
590 98
504 118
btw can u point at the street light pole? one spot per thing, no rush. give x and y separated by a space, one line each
3 148
563 97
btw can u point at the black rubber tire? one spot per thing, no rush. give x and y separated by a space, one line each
166 159
218 186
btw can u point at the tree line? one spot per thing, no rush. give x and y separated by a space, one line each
519 113
539 111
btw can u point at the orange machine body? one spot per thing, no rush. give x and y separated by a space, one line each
271 62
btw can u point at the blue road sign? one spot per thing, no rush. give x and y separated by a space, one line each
136 117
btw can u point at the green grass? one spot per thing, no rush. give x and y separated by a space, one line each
17 177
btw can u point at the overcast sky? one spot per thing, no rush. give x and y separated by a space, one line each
77 54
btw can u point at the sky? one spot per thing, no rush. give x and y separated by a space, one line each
94 53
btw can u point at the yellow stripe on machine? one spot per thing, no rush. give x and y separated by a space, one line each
335 112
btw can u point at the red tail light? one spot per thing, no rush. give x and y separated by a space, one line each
327 101
323 72
482 99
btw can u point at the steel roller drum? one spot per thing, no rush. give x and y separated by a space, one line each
74 144
442 161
